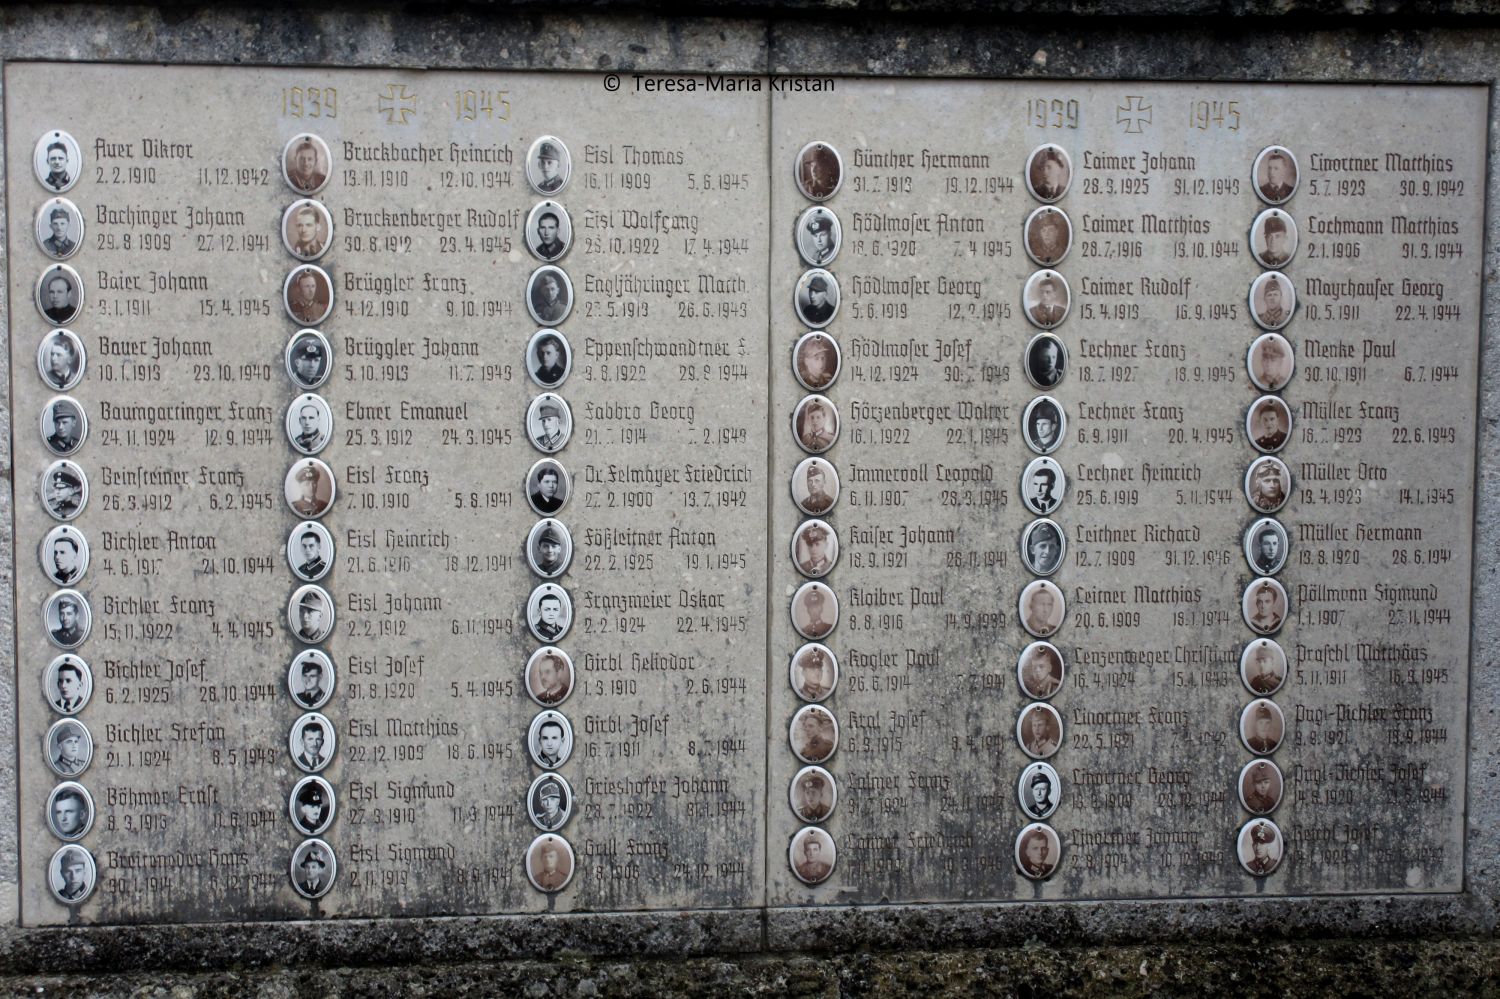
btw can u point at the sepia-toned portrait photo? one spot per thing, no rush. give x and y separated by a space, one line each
549 295
816 361
1043 547
819 171
819 236
812 855
67 618
815 548
1038 851
1043 484
549 676
59 294
547 486
1273 239
70 811
1048 235
1268 483
64 425
1270 362
1263 667
57 161
815 611
60 359
549 863
1259 847
549 548
549 358
1049 172
549 612
816 298
309 423
1262 726
1268 423
309 488
1046 298
65 490
1043 424
72 874
549 802
549 423
549 231
548 165
311 805
1041 608
310 679
1040 670
314 868
813 794
64 555
815 486
309 551
59 228
309 614
1273 300
1260 787
307 229
312 742
308 295
1046 361
306 163
1039 730
1264 606
67 683
1266 546
1275 175
815 423
814 672
549 740
68 748
1039 790
814 734
308 359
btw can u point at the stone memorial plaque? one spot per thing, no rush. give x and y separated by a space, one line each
919 491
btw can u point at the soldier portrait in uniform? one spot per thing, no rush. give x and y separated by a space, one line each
309 551
815 611
1041 608
1042 486
549 358
1262 726
308 295
549 295
311 805
1268 483
1263 666
813 794
68 683
314 868
1275 175
309 488
59 228
65 490
1270 362
1266 546
310 614
312 742
310 679
550 740
549 802
57 161
816 298
814 672
1039 730
309 423
1049 173
548 165
68 748
815 422
549 676
815 486
1268 423
70 811
1039 791
308 359
819 236
1264 606
1260 787
549 612
1043 424
306 164
812 855
549 863
1273 238
59 294
549 423
67 618
1048 235
547 486
549 231
1040 670
816 361
815 548
1038 851
1046 361
1259 846
1043 547
814 734
1273 300
307 229
60 359
819 171
64 555
549 548
64 425
1046 299
72 875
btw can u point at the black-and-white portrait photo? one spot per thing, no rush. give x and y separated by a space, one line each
549 548
312 742
309 614
64 555
1039 730
812 855
815 548
815 611
813 794
1046 361
549 423
1039 790
815 486
314 868
1040 670
1275 175
548 165
1268 483
819 171
549 358
1264 606
549 802
549 740
59 228
1038 851
1260 787
57 161
1041 608
68 683
549 676
309 359
309 551
1048 235
307 229
309 488
1049 172
59 294
310 679
1043 485
306 163
308 295
549 612
70 811
549 295
1273 238
64 425
311 805
72 875
549 231
1043 424
814 734
65 490
816 361
816 298
60 359
67 618
1273 300
1270 362
68 747
547 486
815 424
819 236
1262 726
1259 847
1266 545
814 672
550 863
309 423
1268 423
1046 299
1263 667
1043 547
